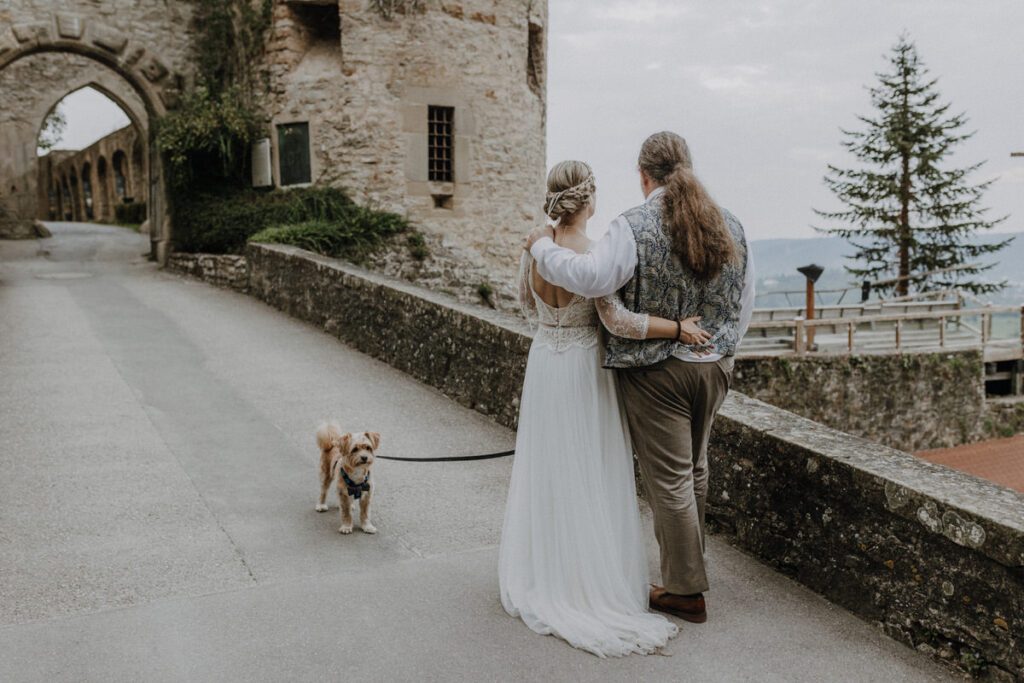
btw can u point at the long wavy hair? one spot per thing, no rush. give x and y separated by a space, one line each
694 222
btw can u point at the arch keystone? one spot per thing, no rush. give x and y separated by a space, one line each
69 26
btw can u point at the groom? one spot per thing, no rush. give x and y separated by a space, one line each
675 256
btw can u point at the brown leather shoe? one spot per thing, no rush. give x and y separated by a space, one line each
691 609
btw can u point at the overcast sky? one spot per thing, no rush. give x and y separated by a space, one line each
90 115
758 88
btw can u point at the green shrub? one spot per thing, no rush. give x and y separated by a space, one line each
485 291
221 224
417 246
130 214
353 236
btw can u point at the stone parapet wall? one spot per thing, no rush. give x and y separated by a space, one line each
221 270
934 556
913 401
473 355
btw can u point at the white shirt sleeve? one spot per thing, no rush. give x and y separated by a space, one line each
603 270
747 297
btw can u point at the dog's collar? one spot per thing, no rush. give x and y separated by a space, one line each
355 490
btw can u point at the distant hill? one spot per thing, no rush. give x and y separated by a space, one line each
776 262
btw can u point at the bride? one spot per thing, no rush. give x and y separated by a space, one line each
572 561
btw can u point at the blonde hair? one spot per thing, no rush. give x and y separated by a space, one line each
571 189
693 221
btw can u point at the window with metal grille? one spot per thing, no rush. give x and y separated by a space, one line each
293 153
440 143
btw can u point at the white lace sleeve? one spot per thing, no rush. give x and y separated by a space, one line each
527 304
620 321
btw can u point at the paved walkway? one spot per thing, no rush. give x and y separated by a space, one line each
157 483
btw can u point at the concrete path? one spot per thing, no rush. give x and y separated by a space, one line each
157 483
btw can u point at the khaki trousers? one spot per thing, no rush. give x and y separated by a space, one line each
670 407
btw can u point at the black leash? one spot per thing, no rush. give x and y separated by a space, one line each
453 458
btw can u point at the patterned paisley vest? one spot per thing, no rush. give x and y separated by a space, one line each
664 287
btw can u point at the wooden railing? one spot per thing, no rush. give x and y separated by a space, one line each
801 326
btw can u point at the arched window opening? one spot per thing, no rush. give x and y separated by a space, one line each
104 211
87 191
67 207
120 181
76 198
53 210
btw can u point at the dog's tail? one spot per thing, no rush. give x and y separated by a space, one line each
327 435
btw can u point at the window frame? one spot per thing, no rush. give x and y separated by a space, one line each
279 139
440 143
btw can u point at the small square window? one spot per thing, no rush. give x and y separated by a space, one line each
293 153
440 144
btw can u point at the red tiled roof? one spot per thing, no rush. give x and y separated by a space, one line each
999 460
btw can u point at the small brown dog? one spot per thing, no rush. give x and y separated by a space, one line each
347 457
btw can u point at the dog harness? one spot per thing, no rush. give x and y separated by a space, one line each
355 490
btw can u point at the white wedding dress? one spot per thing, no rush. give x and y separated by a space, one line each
572 560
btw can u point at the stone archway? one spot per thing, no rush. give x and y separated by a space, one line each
150 77
117 90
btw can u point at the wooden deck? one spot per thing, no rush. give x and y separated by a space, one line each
894 327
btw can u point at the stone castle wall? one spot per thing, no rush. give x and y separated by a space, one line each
229 271
911 401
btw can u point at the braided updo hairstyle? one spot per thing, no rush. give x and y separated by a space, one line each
570 189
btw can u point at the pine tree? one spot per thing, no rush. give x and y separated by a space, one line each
905 213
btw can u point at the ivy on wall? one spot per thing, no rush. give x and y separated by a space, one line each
229 40
207 137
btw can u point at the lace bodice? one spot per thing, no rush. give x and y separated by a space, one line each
576 323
